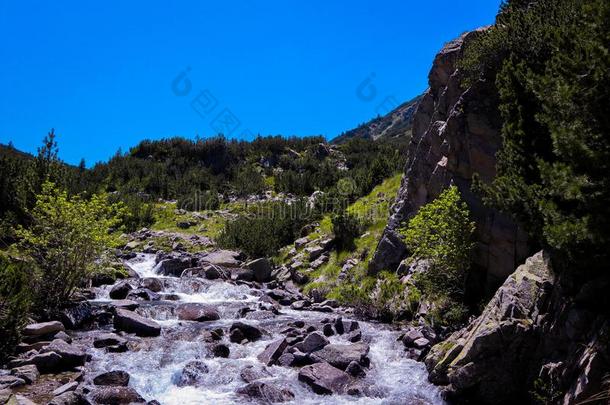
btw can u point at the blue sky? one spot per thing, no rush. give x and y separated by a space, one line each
106 74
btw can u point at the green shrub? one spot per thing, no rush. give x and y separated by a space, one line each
15 300
442 232
267 228
66 238
346 228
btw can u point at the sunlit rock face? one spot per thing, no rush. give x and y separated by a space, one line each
455 135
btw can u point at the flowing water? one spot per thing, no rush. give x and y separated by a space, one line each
155 363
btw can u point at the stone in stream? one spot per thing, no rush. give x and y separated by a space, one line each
272 352
174 264
286 360
143 294
71 355
411 336
68 387
115 378
44 362
28 373
115 395
325 379
251 373
242 274
266 392
45 328
10 381
249 332
197 312
355 336
151 283
131 322
226 258
120 290
327 329
261 269
125 304
220 350
109 340
340 355
193 374
355 369
68 398
312 342
76 315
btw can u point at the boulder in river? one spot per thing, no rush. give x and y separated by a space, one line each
251 373
266 392
152 283
115 395
109 340
312 342
115 378
226 258
71 355
220 350
193 374
44 362
340 355
131 322
29 373
193 311
143 294
272 352
249 332
261 269
120 290
76 315
325 379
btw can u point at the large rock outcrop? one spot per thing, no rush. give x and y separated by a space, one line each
532 339
455 135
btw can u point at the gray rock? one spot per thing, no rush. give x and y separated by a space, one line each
249 332
220 350
226 258
272 352
108 339
71 355
120 290
251 373
313 342
115 378
325 379
45 328
28 373
194 373
131 322
355 370
266 392
340 355
152 284
10 381
71 386
261 268
67 398
115 395
143 294
197 312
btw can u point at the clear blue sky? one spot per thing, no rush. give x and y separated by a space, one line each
101 73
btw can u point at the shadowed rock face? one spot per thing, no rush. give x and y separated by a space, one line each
455 135
529 331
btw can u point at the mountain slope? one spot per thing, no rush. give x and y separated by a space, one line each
396 123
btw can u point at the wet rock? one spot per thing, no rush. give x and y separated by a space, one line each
242 274
355 370
68 387
44 362
249 332
261 269
143 294
120 290
197 312
11 381
411 336
327 329
286 360
28 373
151 283
68 398
220 350
193 374
109 340
71 355
45 328
63 336
115 395
340 355
77 315
131 322
272 352
339 326
226 258
251 373
20 400
313 342
125 304
355 336
266 392
421 343
174 264
325 379
116 378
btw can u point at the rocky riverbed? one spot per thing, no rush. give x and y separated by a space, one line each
193 329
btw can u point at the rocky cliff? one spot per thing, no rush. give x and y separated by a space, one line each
535 340
455 135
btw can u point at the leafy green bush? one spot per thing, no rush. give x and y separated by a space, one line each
267 228
15 301
137 213
442 232
65 239
346 228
